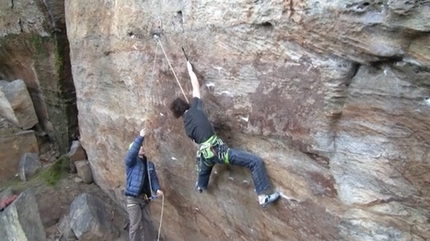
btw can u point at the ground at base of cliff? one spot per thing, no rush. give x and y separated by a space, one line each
54 201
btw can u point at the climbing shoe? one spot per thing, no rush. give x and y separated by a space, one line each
268 199
199 189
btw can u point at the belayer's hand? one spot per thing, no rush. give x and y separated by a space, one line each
143 132
159 193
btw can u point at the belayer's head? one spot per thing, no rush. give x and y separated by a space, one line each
141 150
178 107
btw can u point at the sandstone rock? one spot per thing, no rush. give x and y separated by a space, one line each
84 171
401 7
34 48
65 228
12 147
6 110
21 220
77 179
20 101
89 220
76 153
333 95
15 19
28 165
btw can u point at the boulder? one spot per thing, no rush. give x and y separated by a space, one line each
78 179
65 229
76 153
12 147
20 101
21 220
90 221
6 110
84 171
28 165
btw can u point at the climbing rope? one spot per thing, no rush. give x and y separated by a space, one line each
153 66
180 86
161 218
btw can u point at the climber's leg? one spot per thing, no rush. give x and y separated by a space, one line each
259 176
204 174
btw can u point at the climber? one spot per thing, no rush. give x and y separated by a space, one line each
142 182
212 150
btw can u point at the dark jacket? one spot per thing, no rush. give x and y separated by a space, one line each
141 174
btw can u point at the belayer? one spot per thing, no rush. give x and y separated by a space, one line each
141 185
212 150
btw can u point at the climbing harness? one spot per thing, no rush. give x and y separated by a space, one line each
207 151
180 86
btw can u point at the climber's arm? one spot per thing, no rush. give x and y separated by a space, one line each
194 81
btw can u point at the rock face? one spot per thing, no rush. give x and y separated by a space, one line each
90 221
34 48
66 230
28 165
20 102
333 95
21 220
6 110
76 153
12 147
84 171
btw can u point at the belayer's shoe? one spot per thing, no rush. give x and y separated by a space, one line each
268 199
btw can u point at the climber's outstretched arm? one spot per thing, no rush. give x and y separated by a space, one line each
194 81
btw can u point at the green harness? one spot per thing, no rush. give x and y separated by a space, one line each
207 151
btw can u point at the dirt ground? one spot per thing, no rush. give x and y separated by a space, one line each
54 201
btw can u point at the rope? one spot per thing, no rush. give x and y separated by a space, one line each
162 202
153 66
180 86
161 218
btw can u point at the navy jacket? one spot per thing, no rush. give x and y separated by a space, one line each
141 174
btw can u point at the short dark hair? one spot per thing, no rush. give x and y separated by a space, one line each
178 107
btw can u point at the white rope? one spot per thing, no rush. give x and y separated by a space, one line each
161 218
162 202
180 86
153 66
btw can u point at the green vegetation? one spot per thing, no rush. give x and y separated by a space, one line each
58 63
54 173
47 176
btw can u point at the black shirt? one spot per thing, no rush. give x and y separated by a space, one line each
196 124
144 186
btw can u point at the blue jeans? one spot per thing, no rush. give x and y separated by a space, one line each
238 158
